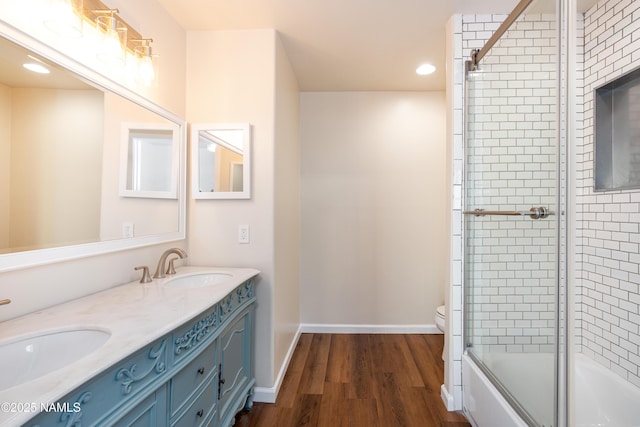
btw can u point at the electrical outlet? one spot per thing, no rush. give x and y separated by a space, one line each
243 234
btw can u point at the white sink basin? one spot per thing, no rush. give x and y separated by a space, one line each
197 280
25 359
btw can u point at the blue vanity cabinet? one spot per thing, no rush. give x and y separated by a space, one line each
200 374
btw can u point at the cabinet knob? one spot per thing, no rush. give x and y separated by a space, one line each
200 413
201 371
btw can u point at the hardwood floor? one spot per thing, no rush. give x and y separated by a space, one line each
337 380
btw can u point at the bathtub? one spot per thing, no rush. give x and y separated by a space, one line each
602 398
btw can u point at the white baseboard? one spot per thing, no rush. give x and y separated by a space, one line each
368 329
447 398
270 394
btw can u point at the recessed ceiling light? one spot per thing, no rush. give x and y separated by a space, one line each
425 69
36 68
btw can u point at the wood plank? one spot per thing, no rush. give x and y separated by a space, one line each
306 412
315 368
334 407
364 412
390 400
361 368
291 380
390 353
427 365
340 359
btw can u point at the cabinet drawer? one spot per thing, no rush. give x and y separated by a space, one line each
202 411
189 380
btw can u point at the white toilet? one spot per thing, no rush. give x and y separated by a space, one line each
440 318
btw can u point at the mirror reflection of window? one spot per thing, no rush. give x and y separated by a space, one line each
221 160
207 156
150 160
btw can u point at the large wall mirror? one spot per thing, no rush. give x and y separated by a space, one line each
221 161
61 156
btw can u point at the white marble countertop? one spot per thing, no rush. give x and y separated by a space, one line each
134 313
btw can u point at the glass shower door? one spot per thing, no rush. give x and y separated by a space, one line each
511 226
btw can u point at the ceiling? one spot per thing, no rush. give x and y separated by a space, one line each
346 45
12 73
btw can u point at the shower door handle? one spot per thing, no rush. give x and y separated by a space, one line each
534 213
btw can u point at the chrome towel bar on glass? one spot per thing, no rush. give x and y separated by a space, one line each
534 213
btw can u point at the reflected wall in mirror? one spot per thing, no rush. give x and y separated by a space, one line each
60 151
149 160
221 161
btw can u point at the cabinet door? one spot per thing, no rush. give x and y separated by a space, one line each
236 368
151 412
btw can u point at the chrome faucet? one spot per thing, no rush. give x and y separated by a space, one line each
160 268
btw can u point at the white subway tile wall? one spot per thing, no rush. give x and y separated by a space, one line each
457 244
608 238
511 165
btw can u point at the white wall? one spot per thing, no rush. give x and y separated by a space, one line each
117 210
608 232
286 304
231 77
68 207
5 163
374 208
34 288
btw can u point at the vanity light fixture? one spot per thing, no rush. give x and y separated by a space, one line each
146 61
425 69
65 17
116 38
112 50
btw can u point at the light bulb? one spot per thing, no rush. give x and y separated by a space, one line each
146 70
112 50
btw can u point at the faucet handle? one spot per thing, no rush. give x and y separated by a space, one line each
146 277
5 301
171 269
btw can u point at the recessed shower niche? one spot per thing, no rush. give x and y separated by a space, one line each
617 133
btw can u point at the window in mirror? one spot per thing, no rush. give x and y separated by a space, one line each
221 161
149 164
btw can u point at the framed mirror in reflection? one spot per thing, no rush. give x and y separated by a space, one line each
221 161
60 157
149 157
